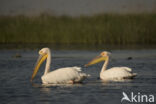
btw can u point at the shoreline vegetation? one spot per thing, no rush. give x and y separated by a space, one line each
32 46
113 29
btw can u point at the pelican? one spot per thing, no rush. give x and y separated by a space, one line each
112 74
59 76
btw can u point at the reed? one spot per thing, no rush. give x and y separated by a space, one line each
121 29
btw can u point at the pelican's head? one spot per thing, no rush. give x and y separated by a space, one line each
43 54
43 51
102 57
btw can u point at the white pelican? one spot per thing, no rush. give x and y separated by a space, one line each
59 76
113 74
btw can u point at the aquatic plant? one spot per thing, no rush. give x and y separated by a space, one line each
100 29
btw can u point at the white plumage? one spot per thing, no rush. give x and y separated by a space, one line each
58 76
64 75
113 74
117 73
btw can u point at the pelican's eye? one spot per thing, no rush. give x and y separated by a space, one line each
103 54
40 52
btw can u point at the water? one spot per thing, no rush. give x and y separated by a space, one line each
15 73
75 7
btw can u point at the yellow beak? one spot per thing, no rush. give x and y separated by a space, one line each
96 60
38 64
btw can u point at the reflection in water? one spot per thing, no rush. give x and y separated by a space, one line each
46 88
15 74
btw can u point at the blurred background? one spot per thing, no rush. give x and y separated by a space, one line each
77 23
76 31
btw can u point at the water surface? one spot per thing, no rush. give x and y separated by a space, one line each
75 7
15 74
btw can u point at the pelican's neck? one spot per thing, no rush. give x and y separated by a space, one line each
47 67
104 67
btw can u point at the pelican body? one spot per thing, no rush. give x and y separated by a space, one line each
58 76
112 74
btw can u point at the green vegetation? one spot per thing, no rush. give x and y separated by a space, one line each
96 30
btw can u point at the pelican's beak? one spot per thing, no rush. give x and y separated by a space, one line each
40 60
96 60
